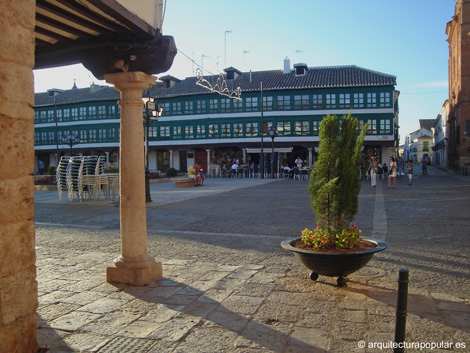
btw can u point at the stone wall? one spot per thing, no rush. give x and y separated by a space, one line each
18 286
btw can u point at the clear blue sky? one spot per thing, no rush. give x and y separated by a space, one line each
404 38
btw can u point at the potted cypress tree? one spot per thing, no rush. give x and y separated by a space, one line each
335 247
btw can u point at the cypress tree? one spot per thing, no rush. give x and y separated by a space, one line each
334 184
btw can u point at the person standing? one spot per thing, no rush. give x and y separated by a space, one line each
41 167
424 165
393 172
373 167
409 170
401 164
298 162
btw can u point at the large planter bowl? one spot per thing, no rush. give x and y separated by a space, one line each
338 264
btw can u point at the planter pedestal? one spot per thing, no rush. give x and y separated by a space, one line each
338 264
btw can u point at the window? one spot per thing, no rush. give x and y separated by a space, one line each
102 135
345 100
59 113
315 127
188 107
200 131
200 106
37 138
283 103
213 130
82 114
42 116
189 131
91 112
425 146
385 127
92 135
153 132
112 110
238 129
317 101
371 100
225 130
82 135
74 112
330 101
177 132
50 116
66 114
213 106
165 131
51 136
284 128
268 103
301 102
358 100
225 105
372 127
251 104
101 110
251 129
237 105
36 117
384 99
44 137
112 134
166 108
301 128
177 108
360 124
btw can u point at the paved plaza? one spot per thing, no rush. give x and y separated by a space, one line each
228 286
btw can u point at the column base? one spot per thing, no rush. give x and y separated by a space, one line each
128 273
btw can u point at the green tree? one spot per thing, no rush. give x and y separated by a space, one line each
334 183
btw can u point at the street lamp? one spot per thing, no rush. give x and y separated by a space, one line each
273 133
71 140
152 112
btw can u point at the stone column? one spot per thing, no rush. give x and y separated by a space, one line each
18 286
107 159
134 266
310 157
208 160
171 159
244 156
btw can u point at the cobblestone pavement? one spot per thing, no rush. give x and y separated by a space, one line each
229 287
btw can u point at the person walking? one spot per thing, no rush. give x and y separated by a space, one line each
409 170
392 173
373 167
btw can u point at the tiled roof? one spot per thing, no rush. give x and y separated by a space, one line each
426 123
89 94
77 95
316 77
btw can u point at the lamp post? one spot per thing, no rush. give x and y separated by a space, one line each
152 112
273 133
71 140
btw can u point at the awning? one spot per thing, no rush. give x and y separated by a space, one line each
104 35
269 150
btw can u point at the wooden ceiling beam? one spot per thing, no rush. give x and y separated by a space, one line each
61 13
85 11
62 26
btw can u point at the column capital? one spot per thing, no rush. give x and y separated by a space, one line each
130 80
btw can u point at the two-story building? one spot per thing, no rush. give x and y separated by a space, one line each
204 126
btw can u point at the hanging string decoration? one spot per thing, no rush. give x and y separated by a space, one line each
220 86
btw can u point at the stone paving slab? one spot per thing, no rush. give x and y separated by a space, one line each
229 290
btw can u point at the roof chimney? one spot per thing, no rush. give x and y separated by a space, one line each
287 65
